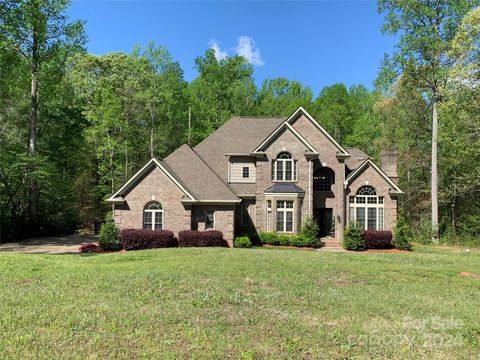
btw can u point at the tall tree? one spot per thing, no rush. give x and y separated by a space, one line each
426 29
37 29
281 96
222 89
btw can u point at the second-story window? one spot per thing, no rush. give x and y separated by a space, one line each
284 167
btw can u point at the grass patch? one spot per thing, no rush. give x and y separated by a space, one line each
256 303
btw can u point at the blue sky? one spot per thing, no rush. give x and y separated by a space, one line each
316 42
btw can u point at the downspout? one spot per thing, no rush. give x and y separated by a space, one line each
310 187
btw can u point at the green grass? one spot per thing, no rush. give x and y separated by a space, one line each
240 303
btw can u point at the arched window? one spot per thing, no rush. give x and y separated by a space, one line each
284 168
366 208
322 179
153 216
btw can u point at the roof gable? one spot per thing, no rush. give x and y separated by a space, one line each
284 126
288 124
301 111
369 163
138 175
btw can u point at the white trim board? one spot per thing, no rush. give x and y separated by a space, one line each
369 162
141 172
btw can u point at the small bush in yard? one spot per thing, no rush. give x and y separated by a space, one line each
194 238
352 238
401 235
269 238
109 236
309 228
242 242
139 239
375 239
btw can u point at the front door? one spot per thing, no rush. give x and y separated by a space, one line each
324 218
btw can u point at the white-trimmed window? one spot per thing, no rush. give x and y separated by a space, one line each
284 216
245 172
284 168
209 219
367 209
153 216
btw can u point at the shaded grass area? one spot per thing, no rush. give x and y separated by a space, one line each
240 303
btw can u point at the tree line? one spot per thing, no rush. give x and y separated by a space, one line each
74 126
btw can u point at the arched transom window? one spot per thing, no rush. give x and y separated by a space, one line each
153 216
366 208
284 168
322 179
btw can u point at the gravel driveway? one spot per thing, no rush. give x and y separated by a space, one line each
47 245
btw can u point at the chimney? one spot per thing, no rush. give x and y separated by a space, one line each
389 164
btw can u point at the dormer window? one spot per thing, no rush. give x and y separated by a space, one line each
284 168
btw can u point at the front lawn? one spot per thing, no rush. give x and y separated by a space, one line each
240 303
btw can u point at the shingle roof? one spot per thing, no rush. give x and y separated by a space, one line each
197 177
285 188
240 135
357 158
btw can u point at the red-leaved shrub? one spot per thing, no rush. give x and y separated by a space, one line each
376 239
138 239
196 238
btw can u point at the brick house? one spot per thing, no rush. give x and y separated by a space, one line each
261 174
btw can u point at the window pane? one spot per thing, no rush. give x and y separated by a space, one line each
147 220
360 199
158 220
352 199
246 172
380 200
280 218
352 213
209 220
289 224
295 170
269 204
372 219
361 217
279 170
380 218
288 170
289 204
372 200
280 204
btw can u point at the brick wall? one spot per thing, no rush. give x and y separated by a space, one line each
155 185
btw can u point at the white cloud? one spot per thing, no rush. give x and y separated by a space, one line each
219 54
246 47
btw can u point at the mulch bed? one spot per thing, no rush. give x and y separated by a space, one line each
289 247
388 250
95 247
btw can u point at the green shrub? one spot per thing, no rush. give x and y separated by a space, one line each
309 228
109 236
402 239
242 242
271 238
352 237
